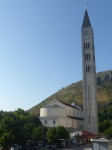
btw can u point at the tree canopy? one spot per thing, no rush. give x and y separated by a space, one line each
105 121
57 133
18 127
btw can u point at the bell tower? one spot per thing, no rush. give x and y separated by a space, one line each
90 109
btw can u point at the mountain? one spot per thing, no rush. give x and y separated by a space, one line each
74 93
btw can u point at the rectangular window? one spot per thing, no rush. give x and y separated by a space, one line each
88 68
89 56
85 56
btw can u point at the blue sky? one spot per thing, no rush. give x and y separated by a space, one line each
40 47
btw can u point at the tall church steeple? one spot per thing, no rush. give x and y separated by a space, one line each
90 123
86 21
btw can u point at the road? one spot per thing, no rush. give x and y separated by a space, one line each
79 148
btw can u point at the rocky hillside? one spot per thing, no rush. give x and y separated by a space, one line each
74 92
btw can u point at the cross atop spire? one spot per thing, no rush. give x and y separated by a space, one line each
86 21
85 4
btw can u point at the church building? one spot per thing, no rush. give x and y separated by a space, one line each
59 113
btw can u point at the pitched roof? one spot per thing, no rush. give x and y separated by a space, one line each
86 135
73 106
86 20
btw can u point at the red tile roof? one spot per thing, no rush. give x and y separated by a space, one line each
86 135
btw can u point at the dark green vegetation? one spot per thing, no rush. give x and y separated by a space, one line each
56 133
74 93
19 127
105 121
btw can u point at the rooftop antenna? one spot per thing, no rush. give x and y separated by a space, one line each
85 4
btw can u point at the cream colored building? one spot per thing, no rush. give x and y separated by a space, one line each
57 113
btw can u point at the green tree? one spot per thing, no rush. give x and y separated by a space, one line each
57 133
17 127
108 133
62 133
39 133
6 139
51 135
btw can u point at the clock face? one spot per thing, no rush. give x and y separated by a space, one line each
86 33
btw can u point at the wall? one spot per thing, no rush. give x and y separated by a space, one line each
46 112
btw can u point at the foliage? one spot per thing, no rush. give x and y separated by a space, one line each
39 133
108 133
17 127
62 133
57 133
51 135
105 120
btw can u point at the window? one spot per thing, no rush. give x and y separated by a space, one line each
87 56
86 45
53 122
88 68
45 121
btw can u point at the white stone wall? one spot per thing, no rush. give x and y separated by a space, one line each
47 112
49 122
62 122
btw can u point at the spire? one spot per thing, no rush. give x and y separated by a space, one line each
86 21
